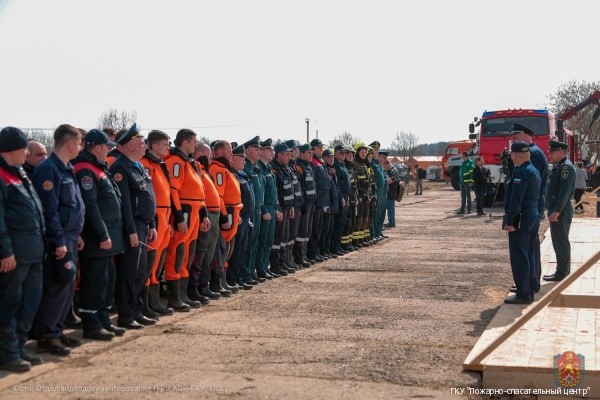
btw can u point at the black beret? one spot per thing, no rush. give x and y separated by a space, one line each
375 144
238 150
96 136
555 145
12 139
64 270
521 128
130 134
303 148
266 144
315 143
519 147
254 142
281 147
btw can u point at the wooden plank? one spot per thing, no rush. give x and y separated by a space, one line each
531 310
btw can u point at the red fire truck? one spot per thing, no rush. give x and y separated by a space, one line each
450 172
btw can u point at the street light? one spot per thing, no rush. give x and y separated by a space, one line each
307 130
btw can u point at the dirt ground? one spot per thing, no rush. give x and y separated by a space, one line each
395 320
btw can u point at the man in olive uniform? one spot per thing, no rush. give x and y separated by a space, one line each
521 221
560 209
139 209
269 211
252 170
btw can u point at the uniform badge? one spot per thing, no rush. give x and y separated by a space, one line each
87 183
564 174
147 171
220 179
569 370
118 177
143 185
176 170
517 181
48 185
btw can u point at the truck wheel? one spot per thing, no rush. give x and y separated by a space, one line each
455 180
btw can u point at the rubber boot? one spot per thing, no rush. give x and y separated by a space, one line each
298 256
72 321
154 302
215 285
174 297
224 285
185 291
274 262
289 257
147 311
304 249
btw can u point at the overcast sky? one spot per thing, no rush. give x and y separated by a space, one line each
235 69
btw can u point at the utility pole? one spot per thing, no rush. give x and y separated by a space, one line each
307 130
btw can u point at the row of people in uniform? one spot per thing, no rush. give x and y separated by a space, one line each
207 220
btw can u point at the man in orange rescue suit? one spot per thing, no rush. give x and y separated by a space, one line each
153 163
190 216
229 189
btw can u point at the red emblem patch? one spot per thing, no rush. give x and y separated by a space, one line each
48 185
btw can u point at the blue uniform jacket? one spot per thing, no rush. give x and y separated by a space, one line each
248 199
539 161
562 187
343 178
522 193
61 200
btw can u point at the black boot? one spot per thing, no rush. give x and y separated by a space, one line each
72 321
304 248
215 285
289 258
154 301
185 291
205 291
274 262
174 297
299 257
147 311
225 285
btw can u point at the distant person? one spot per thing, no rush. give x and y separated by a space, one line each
560 209
36 154
521 221
466 178
481 178
580 187
420 174
392 194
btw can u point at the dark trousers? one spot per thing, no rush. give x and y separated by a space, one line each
132 273
239 257
578 194
206 246
521 245
339 223
94 289
252 249
349 226
20 295
56 301
306 222
295 225
325 238
266 236
559 231
315 235
480 194
282 230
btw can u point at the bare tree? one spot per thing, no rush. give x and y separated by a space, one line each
204 139
116 119
404 145
570 94
344 138
44 137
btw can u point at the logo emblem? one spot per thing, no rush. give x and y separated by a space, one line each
48 185
568 370
86 183
118 177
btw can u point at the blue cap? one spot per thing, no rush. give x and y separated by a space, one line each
375 144
12 139
303 148
130 134
327 152
518 128
316 142
519 147
340 147
384 153
555 145
95 137
291 144
280 147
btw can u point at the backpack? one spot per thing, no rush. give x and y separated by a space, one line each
400 194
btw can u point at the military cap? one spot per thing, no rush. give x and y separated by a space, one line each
266 144
238 150
375 144
291 143
327 152
384 153
303 148
95 137
349 148
130 134
254 142
555 145
234 145
64 269
360 145
281 147
12 139
517 128
316 142
519 147
340 147
370 150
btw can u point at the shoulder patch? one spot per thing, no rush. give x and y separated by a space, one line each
564 173
517 181
87 183
118 177
219 179
176 170
48 185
